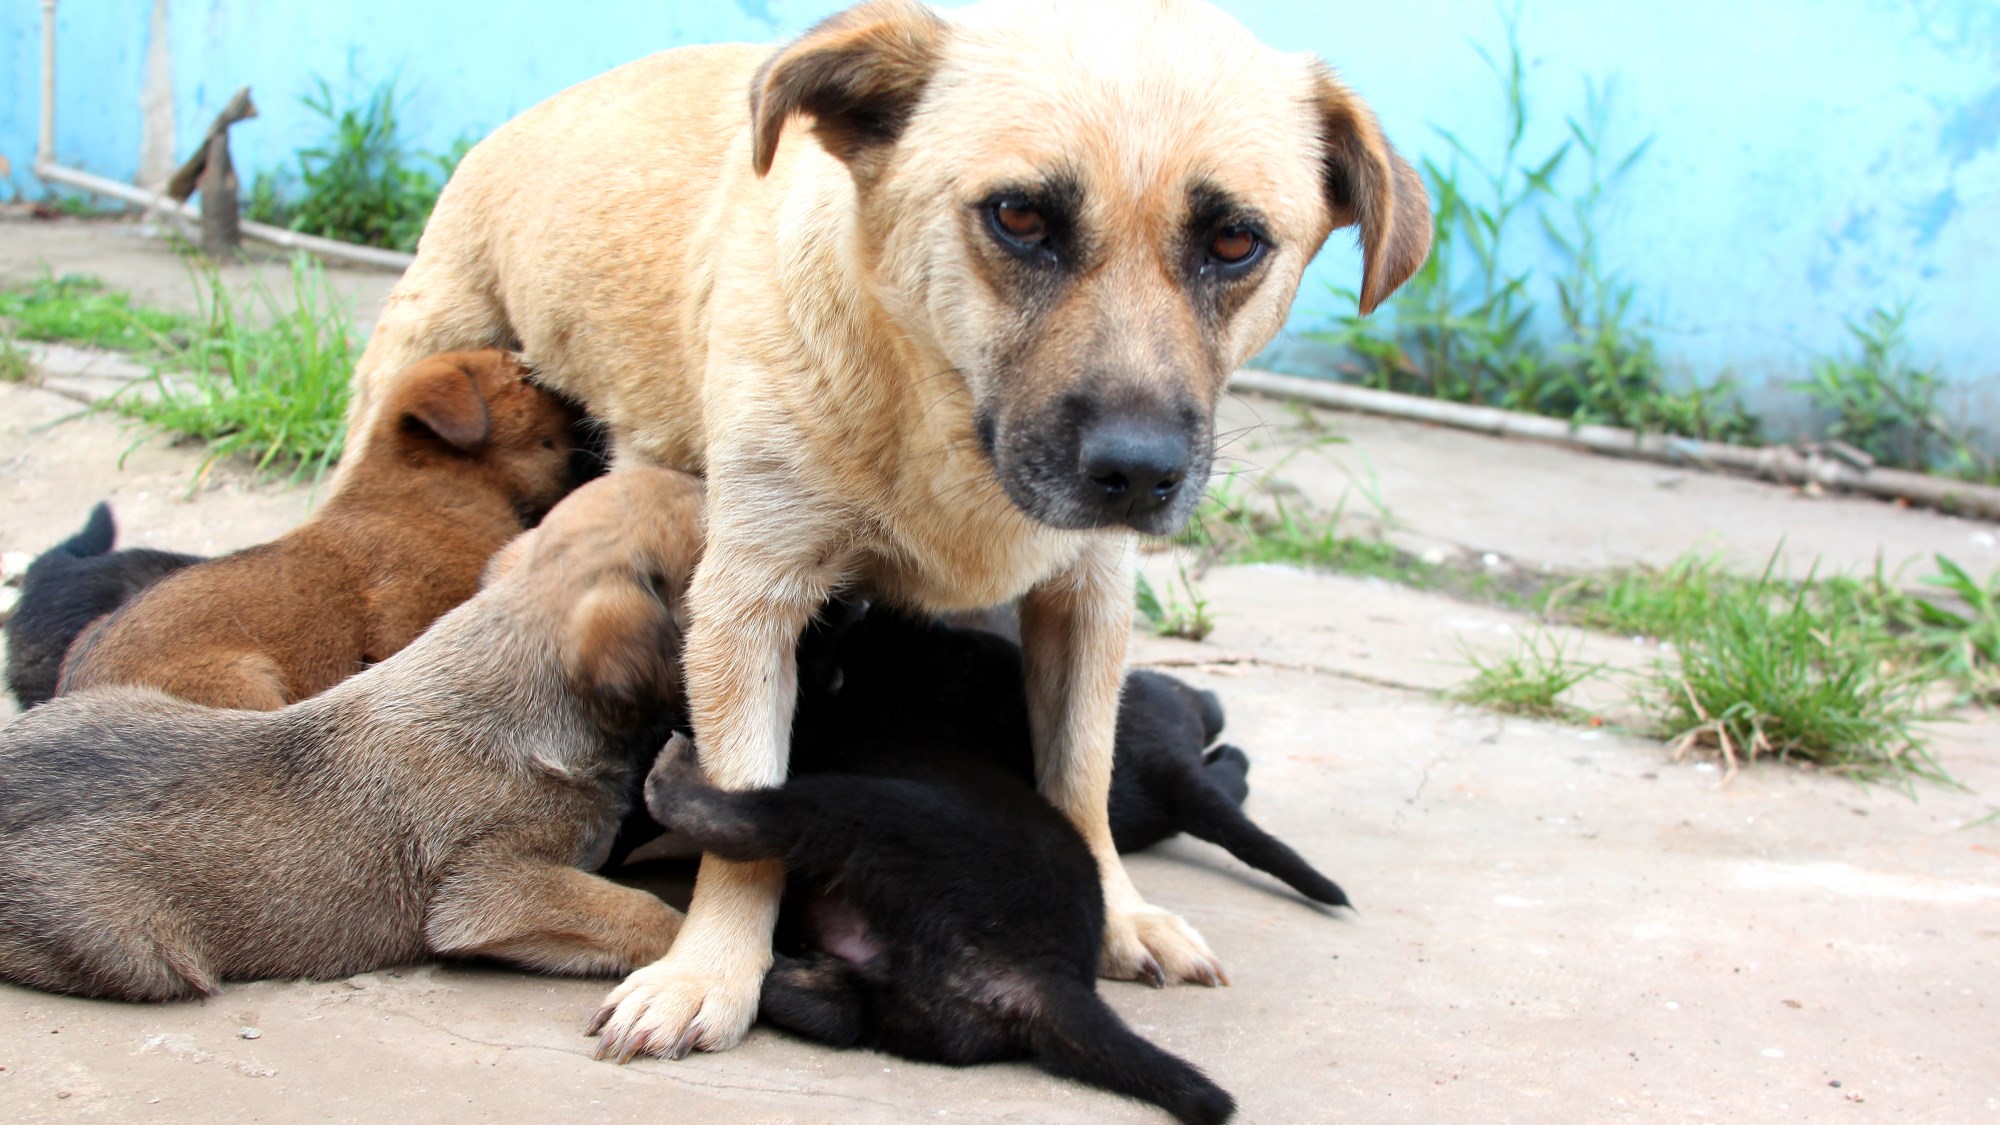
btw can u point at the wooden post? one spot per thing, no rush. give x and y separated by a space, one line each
210 171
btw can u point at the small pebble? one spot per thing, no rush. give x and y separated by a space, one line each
1835 1083
248 1033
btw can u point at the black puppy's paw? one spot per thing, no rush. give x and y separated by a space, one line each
1227 768
674 770
1210 706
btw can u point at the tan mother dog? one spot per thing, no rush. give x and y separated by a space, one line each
944 314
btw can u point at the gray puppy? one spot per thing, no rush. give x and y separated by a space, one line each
447 801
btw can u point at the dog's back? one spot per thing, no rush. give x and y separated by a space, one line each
152 848
67 588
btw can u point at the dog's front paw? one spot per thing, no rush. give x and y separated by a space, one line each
668 1010
1156 946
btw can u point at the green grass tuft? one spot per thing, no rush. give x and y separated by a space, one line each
1229 527
1173 617
1530 681
1660 603
1766 671
81 310
361 183
14 366
264 376
1964 641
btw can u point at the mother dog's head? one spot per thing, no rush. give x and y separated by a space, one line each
1094 212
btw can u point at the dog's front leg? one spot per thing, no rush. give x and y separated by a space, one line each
547 917
750 599
1074 628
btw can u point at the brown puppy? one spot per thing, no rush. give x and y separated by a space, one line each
465 455
446 801
944 316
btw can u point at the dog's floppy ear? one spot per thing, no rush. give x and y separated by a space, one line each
442 398
621 646
1369 184
859 74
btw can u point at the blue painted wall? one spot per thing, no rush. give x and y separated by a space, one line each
1811 158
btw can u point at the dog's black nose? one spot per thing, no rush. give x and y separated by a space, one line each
1133 466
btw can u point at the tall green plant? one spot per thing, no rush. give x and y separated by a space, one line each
360 184
1887 406
1465 328
1461 329
263 375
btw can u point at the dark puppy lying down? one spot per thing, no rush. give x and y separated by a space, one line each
937 908
884 675
449 800
954 917
69 586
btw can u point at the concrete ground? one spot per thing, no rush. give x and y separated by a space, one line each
1555 924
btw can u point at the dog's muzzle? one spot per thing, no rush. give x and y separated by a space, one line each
1132 468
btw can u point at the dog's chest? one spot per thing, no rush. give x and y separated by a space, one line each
966 560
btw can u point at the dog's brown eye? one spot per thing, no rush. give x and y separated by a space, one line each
1020 220
1233 246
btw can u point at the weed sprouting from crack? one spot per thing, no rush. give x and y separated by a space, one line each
1529 681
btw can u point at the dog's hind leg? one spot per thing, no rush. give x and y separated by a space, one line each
816 997
1205 808
91 956
1071 1033
549 918
248 681
1228 768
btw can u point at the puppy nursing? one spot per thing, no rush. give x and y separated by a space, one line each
467 454
935 690
945 316
957 921
447 801
936 908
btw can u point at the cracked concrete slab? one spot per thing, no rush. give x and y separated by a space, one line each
1555 924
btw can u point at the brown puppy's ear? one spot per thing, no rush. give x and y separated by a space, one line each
622 647
859 74
443 399
1368 183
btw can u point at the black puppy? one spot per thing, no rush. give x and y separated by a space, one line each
71 585
881 675
936 908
